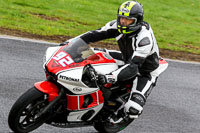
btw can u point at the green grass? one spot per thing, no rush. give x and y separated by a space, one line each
176 24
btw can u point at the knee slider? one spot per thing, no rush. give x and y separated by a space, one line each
138 98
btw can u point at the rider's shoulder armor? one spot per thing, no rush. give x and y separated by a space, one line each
144 37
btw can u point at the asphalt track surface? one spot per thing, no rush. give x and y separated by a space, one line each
172 107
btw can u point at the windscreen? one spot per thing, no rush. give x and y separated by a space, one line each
79 50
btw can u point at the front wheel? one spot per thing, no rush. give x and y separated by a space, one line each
23 116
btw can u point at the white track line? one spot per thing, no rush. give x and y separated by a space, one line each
45 42
26 39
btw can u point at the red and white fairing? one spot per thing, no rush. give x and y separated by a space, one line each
70 75
68 66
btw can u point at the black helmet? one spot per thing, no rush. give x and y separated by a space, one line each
131 10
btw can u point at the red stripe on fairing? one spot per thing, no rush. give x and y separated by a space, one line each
100 95
74 104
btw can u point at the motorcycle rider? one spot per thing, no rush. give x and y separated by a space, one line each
138 55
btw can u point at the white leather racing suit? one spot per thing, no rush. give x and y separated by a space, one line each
138 56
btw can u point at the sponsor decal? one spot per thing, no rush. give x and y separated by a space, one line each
124 10
59 124
77 89
68 78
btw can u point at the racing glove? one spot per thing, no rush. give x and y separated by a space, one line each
104 79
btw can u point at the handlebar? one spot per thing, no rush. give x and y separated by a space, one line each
92 72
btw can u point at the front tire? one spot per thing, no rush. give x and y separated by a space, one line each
23 116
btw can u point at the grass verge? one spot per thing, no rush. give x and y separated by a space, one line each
175 23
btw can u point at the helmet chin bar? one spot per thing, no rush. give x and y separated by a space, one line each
128 29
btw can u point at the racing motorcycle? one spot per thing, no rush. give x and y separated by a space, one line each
71 95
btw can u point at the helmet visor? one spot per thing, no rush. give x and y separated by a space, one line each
126 21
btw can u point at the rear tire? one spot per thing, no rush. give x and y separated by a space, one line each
107 127
23 116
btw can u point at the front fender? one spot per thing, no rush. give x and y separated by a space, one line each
49 88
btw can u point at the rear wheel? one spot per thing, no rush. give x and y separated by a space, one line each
24 115
107 127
